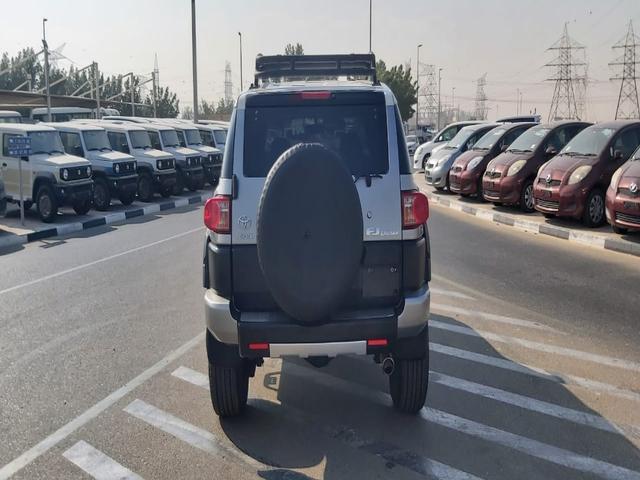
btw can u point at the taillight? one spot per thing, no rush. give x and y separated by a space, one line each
217 214
415 209
315 95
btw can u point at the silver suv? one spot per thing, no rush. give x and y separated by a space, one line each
317 242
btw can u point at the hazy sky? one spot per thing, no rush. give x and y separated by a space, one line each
505 39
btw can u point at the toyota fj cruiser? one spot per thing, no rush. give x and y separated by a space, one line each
317 242
50 177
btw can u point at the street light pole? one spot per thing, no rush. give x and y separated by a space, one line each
153 78
46 69
453 102
439 103
370 18
240 36
418 87
96 79
194 60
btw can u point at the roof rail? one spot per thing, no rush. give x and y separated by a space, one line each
279 66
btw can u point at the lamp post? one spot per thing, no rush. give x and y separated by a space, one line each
453 102
418 87
240 36
370 17
439 104
46 68
194 60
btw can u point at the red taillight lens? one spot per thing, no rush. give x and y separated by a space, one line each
315 95
217 214
415 209
377 342
258 346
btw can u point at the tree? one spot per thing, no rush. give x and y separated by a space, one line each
187 113
291 49
167 103
399 80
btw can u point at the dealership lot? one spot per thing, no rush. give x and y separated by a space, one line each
526 382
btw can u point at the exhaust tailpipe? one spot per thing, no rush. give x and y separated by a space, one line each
388 365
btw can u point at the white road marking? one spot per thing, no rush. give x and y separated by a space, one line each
384 450
492 317
527 369
63 432
563 413
96 262
450 293
543 347
533 448
97 464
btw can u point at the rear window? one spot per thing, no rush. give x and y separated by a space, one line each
356 131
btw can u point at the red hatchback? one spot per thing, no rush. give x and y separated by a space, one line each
623 196
573 183
466 172
509 177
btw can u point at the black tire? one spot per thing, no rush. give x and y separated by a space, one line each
425 159
178 187
81 208
145 187
229 388
619 230
439 189
27 205
165 192
127 199
593 215
297 239
497 204
47 203
549 215
408 384
526 197
101 195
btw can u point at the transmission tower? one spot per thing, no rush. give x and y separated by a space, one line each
228 84
428 97
569 93
628 106
481 98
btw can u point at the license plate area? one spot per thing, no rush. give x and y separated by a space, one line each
635 206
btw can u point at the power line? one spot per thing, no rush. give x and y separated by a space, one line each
428 96
628 106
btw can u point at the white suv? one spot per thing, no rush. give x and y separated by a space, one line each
317 241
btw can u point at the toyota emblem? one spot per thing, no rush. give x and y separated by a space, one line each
633 188
549 178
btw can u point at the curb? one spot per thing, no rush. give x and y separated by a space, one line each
575 236
107 219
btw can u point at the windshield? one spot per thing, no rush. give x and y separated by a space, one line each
170 138
590 141
140 139
46 142
193 137
529 140
207 138
460 139
490 139
221 137
96 140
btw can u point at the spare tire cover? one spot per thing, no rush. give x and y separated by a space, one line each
309 232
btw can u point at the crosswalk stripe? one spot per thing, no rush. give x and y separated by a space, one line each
527 369
97 464
567 352
449 293
533 448
389 452
493 317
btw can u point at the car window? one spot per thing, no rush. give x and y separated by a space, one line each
489 139
449 133
207 138
72 143
627 141
155 140
510 137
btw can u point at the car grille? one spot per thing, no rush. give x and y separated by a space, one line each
207 160
626 217
492 174
195 161
548 204
553 183
77 173
126 167
628 193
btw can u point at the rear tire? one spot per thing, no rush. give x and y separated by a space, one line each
81 208
145 187
229 388
101 195
408 384
47 204
127 199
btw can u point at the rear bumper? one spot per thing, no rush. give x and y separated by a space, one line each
346 334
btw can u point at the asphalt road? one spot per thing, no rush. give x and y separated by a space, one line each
535 367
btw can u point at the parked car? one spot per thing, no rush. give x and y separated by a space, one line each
424 151
509 177
290 270
213 136
437 169
156 169
623 196
412 143
573 183
61 114
466 173
50 177
9 116
114 173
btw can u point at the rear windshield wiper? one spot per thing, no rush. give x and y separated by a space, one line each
367 178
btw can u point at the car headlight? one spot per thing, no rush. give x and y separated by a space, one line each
88 171
443 160
135 165
475 161
579 174
64 173
516 167
188 162
616 176
116 168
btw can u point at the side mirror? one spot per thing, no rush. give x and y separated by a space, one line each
618 155
551 151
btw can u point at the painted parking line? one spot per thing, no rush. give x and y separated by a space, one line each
449 293
97 464
518 322
528 446
527 369
348 435
543 347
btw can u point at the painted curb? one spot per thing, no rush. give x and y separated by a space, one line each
575 236
107 219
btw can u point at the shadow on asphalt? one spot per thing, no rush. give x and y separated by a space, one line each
319 412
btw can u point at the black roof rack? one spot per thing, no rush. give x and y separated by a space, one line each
289 66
